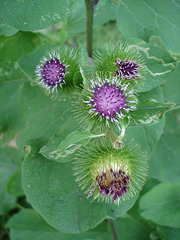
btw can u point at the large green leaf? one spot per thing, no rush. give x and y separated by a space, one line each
147 136
11 50
51 189
156 93
162 205
64 151
7 31
167 233
172 85
143 19
33 15
134 211
10 162
28 225
137 230
43 116
14 185
150 112
10 120
164 163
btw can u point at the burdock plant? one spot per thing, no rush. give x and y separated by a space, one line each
87 123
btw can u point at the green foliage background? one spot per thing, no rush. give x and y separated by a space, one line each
39 197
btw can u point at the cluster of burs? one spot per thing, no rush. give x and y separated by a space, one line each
104 99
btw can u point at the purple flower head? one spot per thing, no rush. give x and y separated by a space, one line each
109 100
51 72
127 69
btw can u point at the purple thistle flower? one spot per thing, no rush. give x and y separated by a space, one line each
109 100
127 69
51 72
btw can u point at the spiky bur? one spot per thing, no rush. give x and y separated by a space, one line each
57 69
105 102
121 60
110 174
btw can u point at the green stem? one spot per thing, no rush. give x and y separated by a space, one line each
113 229
89 25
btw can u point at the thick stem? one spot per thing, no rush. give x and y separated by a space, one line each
113 229
89 25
